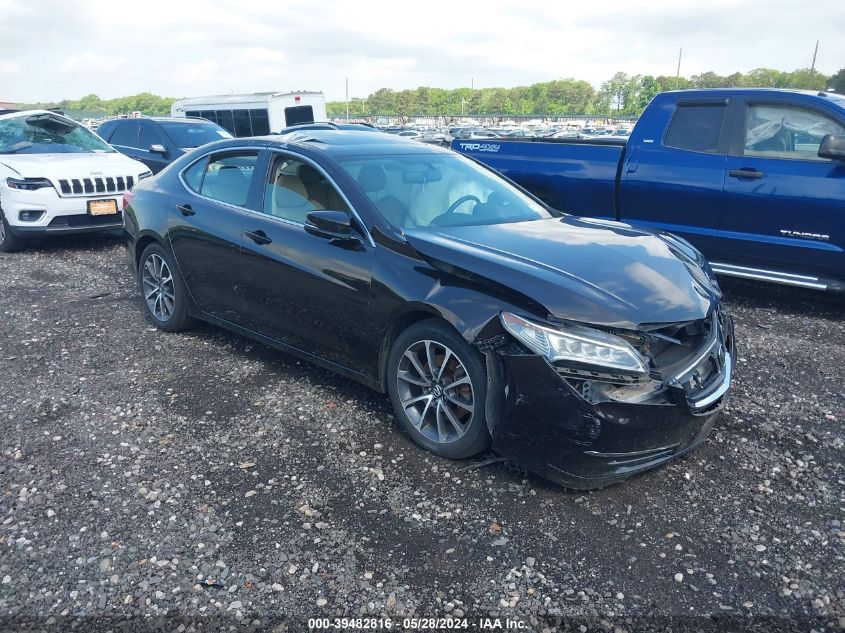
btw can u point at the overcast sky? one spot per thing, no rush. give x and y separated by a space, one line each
54 49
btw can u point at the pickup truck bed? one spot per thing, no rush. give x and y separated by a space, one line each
754 178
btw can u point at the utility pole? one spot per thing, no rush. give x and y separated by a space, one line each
678 75
815 52
347 99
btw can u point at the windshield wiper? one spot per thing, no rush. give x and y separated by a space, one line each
14 149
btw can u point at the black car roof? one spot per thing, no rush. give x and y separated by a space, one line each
348 142
161 119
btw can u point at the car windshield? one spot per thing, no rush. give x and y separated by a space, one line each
47 133
433 190
193 134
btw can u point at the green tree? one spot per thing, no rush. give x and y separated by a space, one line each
806 79
837 82
648 89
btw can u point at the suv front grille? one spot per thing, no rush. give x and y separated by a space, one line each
91 186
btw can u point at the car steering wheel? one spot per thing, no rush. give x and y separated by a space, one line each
460 201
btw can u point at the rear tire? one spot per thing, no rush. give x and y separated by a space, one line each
163 292
8 242
438 387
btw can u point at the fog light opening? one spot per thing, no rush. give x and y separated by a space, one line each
30 216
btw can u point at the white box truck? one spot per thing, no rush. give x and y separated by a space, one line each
257 113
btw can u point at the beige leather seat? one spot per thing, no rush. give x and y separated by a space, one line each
373 181
290 199
319 189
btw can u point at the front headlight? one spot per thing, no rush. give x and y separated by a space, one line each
143 175
28 184
575 343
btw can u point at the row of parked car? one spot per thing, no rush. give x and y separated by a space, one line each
57 176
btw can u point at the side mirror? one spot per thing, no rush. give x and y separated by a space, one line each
330 224
158 149
833 147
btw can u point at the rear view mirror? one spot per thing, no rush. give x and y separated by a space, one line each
330 224
833 147
422 177
158 149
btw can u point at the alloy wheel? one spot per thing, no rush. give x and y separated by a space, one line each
435 391
159 291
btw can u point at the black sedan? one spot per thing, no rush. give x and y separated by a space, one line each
585 350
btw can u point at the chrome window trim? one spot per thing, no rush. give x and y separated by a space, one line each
276 150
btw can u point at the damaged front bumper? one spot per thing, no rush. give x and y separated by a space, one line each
587 430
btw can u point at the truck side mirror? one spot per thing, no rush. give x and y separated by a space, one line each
833 147
158 149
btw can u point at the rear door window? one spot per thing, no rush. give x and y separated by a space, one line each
696 127
125 135
228 177
193 175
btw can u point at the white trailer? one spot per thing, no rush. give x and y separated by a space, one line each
255 114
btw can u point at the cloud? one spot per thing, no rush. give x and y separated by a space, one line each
91 62
8 67
190 48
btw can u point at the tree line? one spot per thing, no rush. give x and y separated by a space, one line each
622 94
92 106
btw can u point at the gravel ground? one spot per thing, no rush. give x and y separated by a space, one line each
202 480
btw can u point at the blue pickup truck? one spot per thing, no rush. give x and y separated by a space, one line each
754 178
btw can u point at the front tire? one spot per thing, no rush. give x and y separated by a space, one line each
163 291
8 242
438 386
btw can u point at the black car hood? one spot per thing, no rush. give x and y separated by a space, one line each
592 271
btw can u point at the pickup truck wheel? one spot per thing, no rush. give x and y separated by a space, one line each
163 291
8 242
438 386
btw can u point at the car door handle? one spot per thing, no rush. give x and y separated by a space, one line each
746 173
259 237
186 210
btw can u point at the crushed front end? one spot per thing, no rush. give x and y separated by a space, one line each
584 425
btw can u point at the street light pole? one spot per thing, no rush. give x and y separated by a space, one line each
678 76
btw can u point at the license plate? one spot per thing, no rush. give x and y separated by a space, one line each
102 207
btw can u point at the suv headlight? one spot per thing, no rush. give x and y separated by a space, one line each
28 184
575 343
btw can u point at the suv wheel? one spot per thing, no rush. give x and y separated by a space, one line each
8 242
162 290
438 386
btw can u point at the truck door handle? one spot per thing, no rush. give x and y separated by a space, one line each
186 210
259 237
746 173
